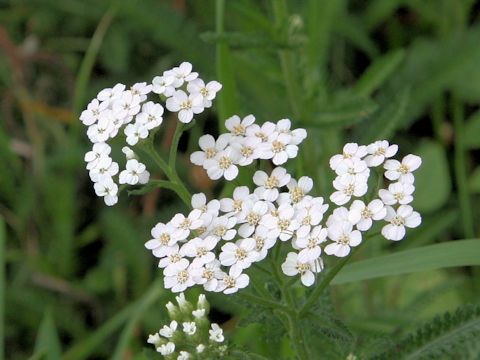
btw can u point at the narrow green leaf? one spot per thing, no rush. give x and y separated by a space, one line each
343 112
85 348
138 312
378 72
48 344
431 257
383 123
432 195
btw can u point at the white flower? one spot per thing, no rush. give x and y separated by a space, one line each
339 214
93 112
240 255
223 164
135 173
166 349
403 217
163 85
210 148
362 215
398 192
264 240
262 132
207 275
105 168
402 171
189 328
348 186
235 280
182 73
164 238
173 259
200 249
109 94
352 166
310 212
379 151
177 278
141 90
268 185
185 224
183 355
237 126
282 223
199 313
247 148
200 348
103 129
129 154
135 132
108 189
235 206
185 105
154 339
279 147
297 191
350 150
292 266
208 92
310 244
344 237
222 227
99 151
126 106
209 210
216 333
168 331
151 115
254 211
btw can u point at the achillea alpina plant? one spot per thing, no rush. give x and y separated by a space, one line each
272 219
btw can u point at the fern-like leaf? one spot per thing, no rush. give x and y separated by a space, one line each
444 337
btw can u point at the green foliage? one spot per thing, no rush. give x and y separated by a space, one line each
347 70
444 337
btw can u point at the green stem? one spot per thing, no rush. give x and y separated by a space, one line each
264 302
172 159
176 183
461 169
328 279
298 339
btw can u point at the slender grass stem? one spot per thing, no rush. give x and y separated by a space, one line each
86 66
461 169
298 339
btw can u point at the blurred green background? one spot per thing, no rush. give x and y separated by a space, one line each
77 281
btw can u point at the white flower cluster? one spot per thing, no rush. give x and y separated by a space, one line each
118 107
189 330
353 171
219 239
246 142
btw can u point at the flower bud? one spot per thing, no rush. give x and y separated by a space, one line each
173 311
202 303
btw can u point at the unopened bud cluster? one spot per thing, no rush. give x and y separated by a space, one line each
189 335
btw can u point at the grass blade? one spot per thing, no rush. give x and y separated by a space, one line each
431 257
3 240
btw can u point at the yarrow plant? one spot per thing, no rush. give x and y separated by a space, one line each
273 217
